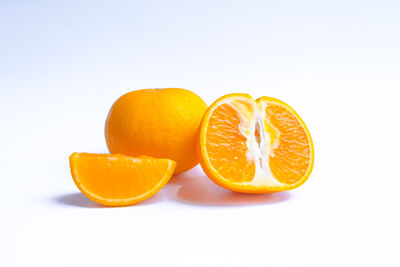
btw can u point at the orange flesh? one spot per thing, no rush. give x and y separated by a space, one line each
118 177
240 150
226 145
290 160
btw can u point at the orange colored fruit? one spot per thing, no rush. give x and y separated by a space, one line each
254 146
118 180
160 123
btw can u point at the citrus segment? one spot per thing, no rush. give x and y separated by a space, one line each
290 157
254 146
227 137
119 180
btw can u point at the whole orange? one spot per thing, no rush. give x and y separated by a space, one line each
160 123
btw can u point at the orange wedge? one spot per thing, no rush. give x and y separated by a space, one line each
119 180
253 146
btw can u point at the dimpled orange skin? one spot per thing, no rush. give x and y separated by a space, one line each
160 123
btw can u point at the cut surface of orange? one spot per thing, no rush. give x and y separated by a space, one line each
254 146
119 180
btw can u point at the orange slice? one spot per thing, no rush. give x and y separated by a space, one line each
119 180
252 146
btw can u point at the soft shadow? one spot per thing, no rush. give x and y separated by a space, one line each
80 200
196 188
77 199
192 187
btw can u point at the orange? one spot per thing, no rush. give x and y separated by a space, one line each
254 146
118 180
160 123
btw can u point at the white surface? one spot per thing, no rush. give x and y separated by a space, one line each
337 63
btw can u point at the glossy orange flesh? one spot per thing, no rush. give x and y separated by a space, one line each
254 146
290 160
226 145
118 179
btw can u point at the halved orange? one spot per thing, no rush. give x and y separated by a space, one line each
253 146
119 180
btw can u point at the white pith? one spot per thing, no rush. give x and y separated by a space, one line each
259 152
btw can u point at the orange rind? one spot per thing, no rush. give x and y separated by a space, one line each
254 146
119 180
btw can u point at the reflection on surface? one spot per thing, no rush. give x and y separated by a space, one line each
197 188
192 187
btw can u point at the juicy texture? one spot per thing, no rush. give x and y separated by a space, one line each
254 146
290 159
227 145
160 123
118 180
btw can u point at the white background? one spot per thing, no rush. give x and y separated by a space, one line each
62 65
